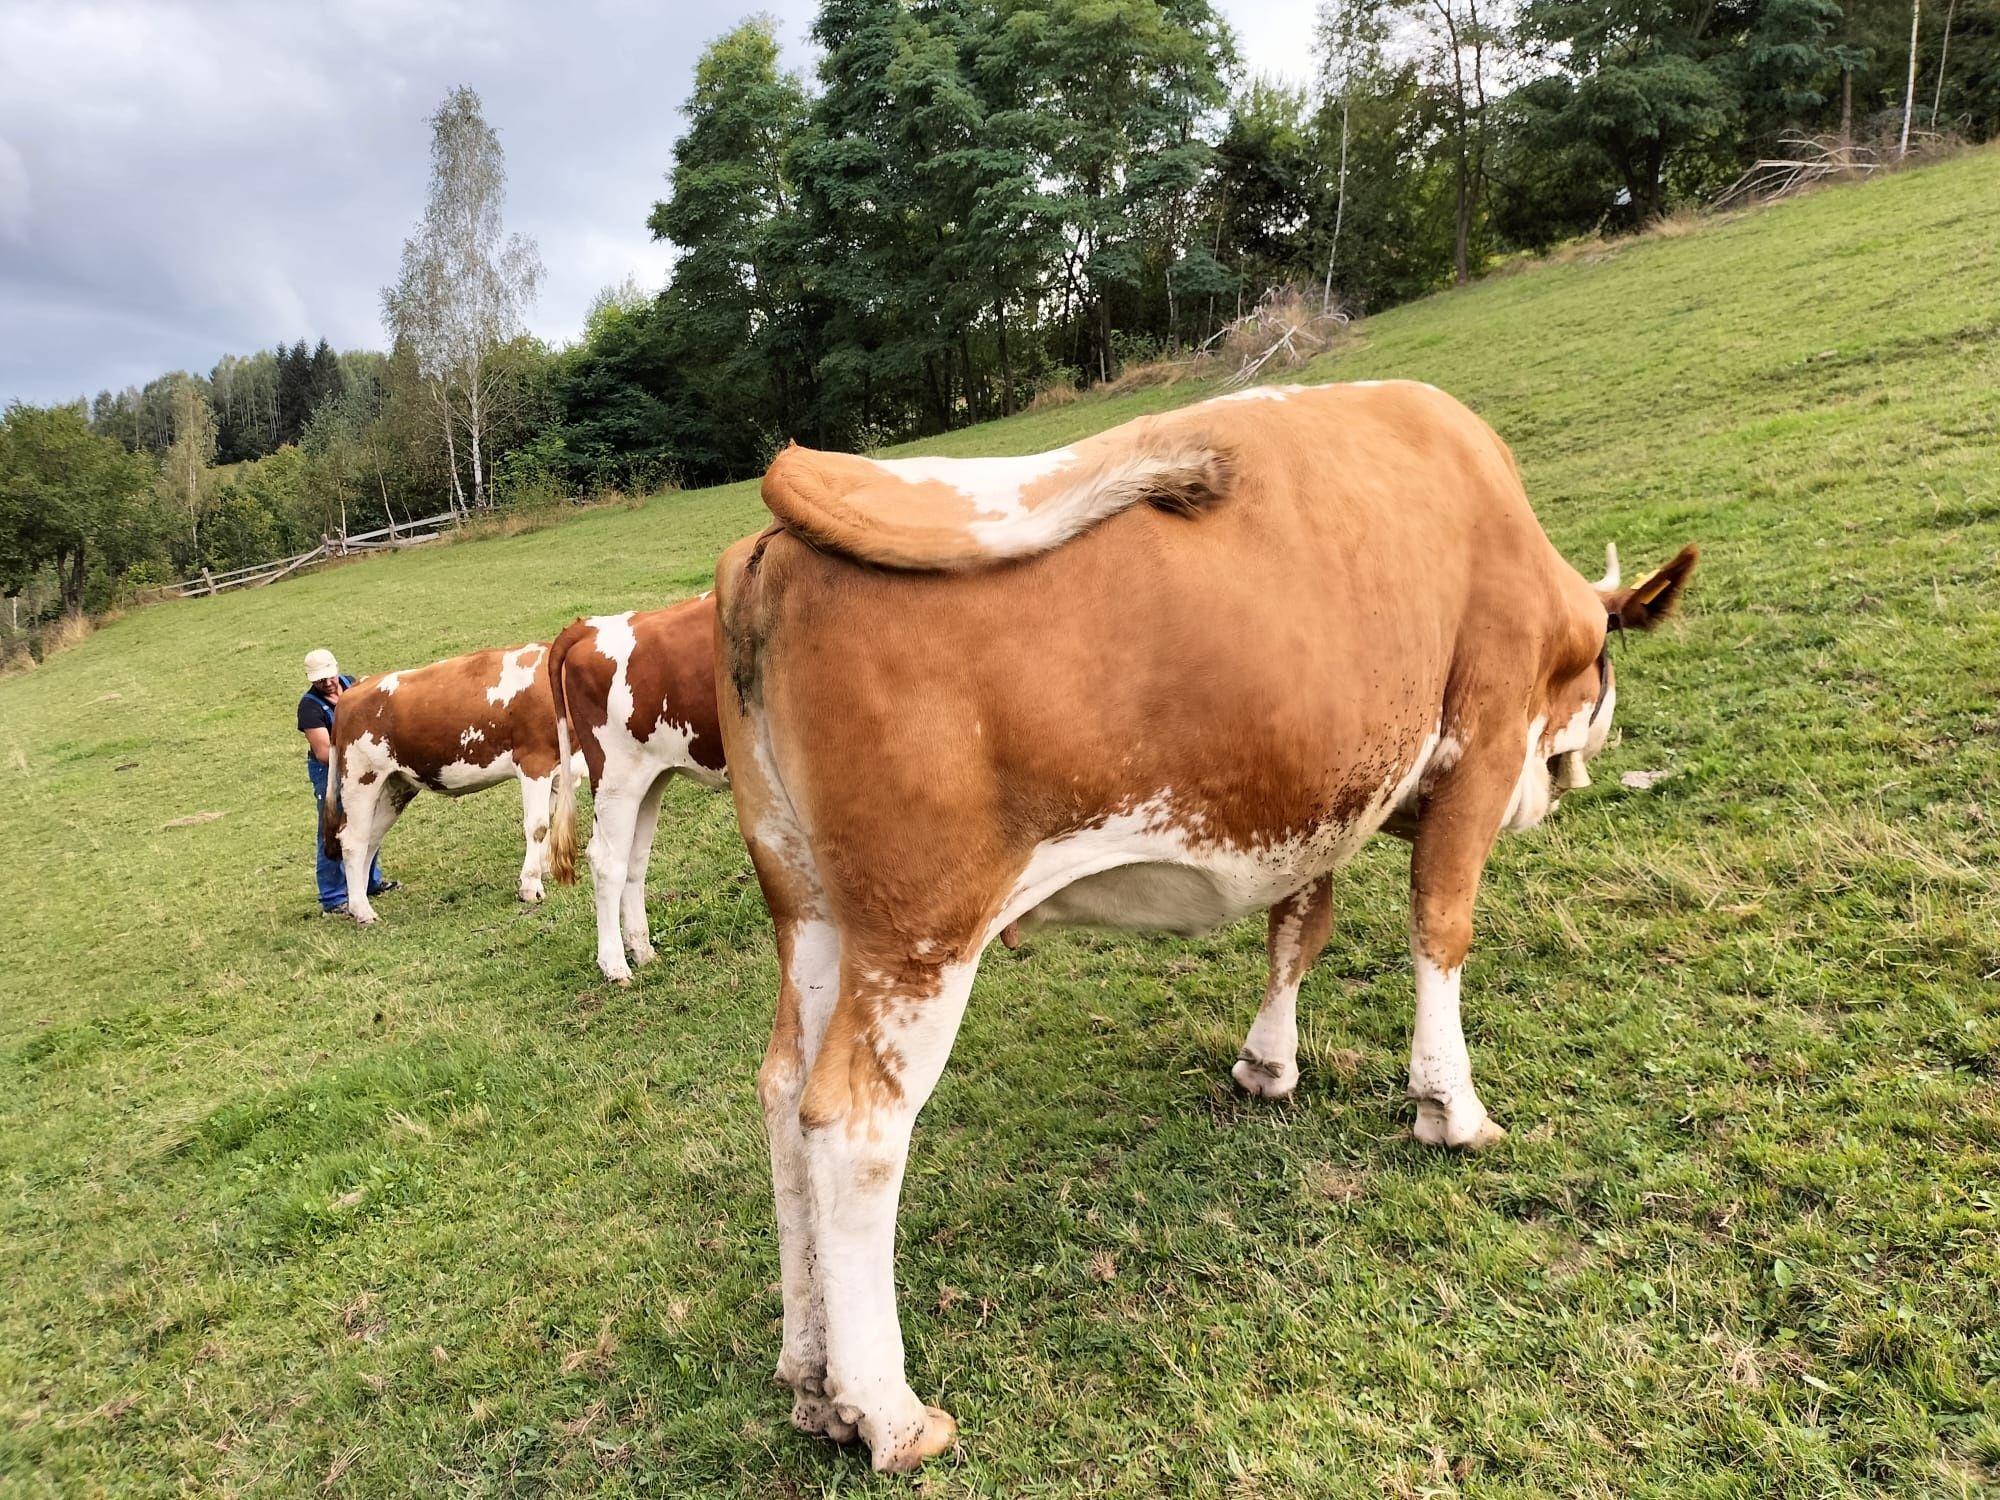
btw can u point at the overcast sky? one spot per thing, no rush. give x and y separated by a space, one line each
183 179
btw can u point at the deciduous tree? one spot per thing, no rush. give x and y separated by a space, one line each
465 283
67 495
188 458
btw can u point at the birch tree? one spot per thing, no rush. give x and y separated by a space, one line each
1910 88
464 284
1350 38
189 456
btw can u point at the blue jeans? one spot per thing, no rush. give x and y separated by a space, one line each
332 877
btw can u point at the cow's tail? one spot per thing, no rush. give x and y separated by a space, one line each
562 821
329 805
924 521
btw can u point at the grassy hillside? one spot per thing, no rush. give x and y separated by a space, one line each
289 1205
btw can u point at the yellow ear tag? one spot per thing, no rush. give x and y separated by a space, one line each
1647 592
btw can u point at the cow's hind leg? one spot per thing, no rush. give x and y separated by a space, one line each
536 792
1269 1063
808 985
370 811
1460 819
885 1046
612 825
632 908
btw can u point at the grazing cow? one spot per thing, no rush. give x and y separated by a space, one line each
1165 678
456 726
635 694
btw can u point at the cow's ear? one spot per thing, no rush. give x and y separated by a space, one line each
1644 605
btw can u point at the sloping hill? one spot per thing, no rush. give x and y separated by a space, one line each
428 1206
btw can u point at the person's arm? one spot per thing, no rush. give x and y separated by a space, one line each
320 742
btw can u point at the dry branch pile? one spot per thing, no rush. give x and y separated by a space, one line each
1287 327
1811 159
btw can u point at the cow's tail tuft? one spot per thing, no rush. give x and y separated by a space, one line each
562 821
329 805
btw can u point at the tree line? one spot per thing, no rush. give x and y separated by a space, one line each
981 198
972 202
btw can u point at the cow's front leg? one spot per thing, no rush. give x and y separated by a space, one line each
1269 1063
1449 1112
1455 833
632 910
885 1047
535 795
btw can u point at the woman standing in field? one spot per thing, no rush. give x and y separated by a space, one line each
324 684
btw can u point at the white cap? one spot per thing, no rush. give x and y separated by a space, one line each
320 664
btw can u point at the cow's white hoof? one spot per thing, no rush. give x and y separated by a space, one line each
1436 1127
362 918
642 954
901 1451
618 973
1267 1080
531 893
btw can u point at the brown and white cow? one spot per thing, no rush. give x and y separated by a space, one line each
1165 678
635 695
457 726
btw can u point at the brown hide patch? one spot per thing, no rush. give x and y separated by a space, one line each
586 685
858 1073
1312 910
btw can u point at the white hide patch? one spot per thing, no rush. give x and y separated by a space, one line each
1259 393
464 776
388 684
472 735
1019 531
368 752
1439 1066
993 485
997 489
1154 867
615 642
517 673
1535 789
781 830
1583 736
1440 753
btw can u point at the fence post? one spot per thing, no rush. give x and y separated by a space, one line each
209 579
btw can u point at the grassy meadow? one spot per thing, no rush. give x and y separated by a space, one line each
287 1207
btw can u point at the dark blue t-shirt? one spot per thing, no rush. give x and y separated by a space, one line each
316 713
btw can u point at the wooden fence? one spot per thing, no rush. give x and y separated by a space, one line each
386 539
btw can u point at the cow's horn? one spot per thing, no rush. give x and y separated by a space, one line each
1611 576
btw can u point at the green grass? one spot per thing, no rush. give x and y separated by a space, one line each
428 1208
